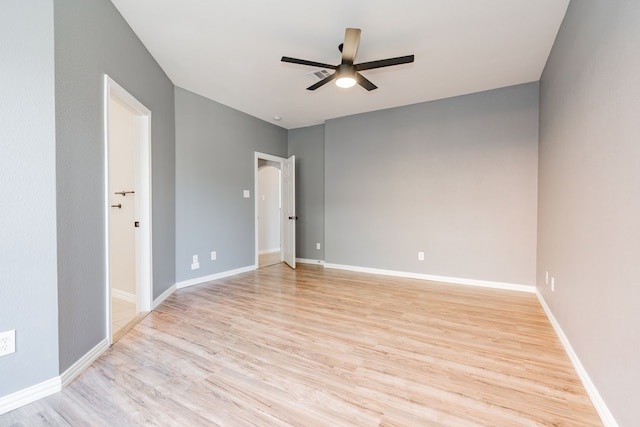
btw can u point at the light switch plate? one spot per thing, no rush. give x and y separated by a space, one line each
246 194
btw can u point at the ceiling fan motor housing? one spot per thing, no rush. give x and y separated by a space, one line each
346 70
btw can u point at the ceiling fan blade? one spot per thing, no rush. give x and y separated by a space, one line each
384 63
350 46
323 82
362 81
309 63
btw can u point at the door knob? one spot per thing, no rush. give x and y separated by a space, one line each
119 206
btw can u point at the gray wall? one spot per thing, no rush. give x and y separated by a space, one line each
455 178
215 162
91 39
589 194
307 144
28 297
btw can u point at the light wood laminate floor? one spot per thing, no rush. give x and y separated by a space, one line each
321 347
122 312
123 317
265 260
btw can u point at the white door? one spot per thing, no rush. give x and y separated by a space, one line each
289 211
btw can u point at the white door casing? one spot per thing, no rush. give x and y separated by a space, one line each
286 225
141 201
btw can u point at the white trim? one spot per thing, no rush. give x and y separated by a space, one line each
310 261
166 294
123 295
601 407
83 363
434 278
205 279
107 233
54 385
29 395
268 251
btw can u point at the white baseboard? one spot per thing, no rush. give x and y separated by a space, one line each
268 251
205 279
434 278
54 385
310 261
601 407
163 296
123 295
83 363
29 395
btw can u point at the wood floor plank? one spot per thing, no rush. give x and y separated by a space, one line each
316 347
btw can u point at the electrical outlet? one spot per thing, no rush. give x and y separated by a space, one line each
214 255
553 284
195 264
420 256
7 342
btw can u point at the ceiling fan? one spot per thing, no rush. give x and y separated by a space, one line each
347 73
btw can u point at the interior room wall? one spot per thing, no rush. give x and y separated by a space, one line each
91 39
589 195
215 163
454 178
307 144
269 215
28 271
122 238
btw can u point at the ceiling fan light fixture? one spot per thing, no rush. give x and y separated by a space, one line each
346 76
345 82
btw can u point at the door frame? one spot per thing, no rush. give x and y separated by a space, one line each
144 294
280 161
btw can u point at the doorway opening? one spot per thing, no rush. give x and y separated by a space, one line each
127 125
269 197
274 210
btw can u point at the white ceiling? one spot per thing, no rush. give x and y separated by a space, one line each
230 51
